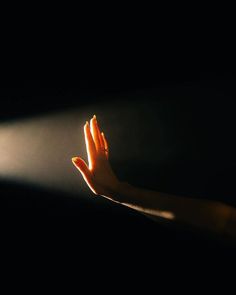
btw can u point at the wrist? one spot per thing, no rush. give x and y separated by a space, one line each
121 191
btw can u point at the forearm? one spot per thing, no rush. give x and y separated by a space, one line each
205 215
98 174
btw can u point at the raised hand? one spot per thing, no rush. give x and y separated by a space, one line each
98 174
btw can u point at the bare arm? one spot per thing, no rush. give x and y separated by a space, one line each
206 215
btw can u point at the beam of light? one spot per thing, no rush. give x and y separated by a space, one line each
38 150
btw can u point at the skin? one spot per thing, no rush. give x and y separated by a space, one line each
98 173
205 215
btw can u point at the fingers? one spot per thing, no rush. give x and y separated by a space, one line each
96 143
101 141
96 133
105 144
102 147
90 146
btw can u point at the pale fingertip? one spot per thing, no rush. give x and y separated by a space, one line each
74 160
85 125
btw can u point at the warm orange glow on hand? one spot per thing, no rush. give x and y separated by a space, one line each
98 174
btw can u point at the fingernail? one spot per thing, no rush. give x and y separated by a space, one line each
74 159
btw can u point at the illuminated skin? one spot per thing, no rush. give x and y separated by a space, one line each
98 173
206 215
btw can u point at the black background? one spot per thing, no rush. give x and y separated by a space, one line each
44 77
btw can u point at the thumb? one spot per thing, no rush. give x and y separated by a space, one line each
84 170
82 167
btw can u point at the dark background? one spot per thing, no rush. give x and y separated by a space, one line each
195 82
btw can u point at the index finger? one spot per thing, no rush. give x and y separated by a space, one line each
90 146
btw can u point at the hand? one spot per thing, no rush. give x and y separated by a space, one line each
98 174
